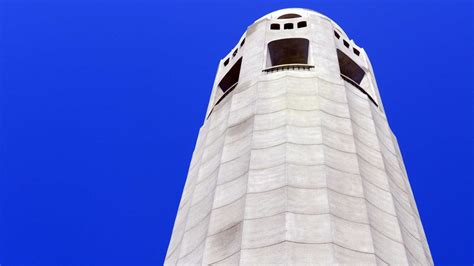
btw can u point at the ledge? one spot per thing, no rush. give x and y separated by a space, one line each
353 83
288 67
229 90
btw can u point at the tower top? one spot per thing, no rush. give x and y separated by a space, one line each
296 12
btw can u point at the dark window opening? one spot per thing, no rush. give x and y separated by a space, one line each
226 62
302 24
356 51
288 26
337 35
232 77
287 16
346 44
275 26
349 68
235 52
242 43
288 51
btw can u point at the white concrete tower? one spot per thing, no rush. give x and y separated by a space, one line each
295 162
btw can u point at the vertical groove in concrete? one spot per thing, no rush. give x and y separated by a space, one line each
205 259
238 259
359 174
182 256
396 257
410 247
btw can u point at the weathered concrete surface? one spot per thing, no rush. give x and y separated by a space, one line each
297 167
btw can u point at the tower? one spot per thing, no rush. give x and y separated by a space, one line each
295 162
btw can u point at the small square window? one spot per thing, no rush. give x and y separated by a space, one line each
275 26
346 44
226 62
337 34
235 52
302 24
288 26
357 52
242 43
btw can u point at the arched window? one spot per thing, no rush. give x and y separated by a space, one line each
231 79
288 51
275 26
354 74
287 16
302 24
349 68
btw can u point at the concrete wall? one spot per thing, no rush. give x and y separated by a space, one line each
297 167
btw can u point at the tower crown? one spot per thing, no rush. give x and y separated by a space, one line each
299 12
295 40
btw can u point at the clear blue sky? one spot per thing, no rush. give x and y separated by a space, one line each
101 103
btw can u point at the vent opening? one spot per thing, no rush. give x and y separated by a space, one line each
232 77
287 16
275 26
288 51
337 34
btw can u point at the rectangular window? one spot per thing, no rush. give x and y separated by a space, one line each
356 51
302 24
275 26
346 44
288 26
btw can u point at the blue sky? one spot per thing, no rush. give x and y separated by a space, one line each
101 103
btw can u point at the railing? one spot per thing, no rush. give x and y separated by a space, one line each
288 67
353 83
229 90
